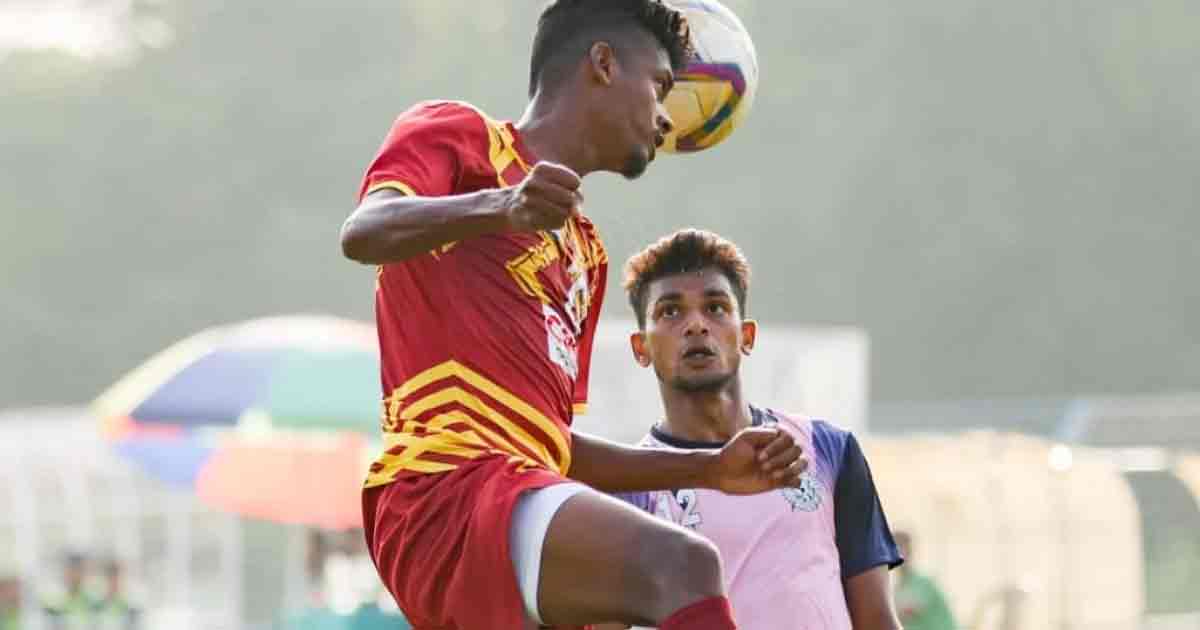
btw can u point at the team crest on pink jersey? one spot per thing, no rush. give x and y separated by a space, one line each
807 497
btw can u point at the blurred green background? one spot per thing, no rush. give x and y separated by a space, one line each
1002 194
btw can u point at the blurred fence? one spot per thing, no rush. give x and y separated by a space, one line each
1087 508
1022 528
62 490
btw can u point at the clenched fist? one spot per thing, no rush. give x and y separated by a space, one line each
757 460
547 197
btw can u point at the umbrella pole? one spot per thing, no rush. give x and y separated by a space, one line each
179 537
231 565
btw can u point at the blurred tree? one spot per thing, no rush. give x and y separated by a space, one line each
1000 193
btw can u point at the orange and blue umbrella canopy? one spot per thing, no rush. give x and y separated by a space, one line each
271 418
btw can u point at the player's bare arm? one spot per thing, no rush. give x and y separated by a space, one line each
389 226
869 598
755 460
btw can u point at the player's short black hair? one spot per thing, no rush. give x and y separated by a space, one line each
568 28
685 251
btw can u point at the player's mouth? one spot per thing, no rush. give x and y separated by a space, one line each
699 354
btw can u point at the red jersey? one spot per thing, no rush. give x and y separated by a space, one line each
485 344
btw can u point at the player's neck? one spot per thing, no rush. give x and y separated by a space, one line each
551 130
705 416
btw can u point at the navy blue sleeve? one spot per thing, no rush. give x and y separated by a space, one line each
864 540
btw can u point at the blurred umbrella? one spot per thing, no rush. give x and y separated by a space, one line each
272 418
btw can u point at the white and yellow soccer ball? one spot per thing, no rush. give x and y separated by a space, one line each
713 94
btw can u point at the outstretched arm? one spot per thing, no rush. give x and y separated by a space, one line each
389 226
755 460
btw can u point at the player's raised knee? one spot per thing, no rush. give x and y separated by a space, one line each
683 568
701 562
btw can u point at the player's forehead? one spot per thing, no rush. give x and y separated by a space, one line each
704 283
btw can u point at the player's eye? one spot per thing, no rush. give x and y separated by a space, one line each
670 310
718 308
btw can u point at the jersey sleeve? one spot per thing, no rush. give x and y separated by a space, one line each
427 150
579 402
864 539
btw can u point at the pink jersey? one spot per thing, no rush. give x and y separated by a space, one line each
787 552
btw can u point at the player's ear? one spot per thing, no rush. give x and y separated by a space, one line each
602 62
749 334
637 343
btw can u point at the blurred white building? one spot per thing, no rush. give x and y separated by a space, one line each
62 489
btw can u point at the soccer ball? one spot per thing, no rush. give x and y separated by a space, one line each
713 94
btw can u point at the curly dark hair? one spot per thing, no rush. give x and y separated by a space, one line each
568 28
685 251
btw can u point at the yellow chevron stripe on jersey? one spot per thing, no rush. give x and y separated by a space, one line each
458 395
398 408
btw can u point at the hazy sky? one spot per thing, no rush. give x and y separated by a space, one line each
90 29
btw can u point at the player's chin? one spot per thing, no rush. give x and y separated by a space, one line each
701 383
637 163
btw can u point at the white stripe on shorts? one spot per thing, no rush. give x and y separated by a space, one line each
530 522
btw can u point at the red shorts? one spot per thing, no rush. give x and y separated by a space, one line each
440 543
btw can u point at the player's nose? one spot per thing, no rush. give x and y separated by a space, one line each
665 123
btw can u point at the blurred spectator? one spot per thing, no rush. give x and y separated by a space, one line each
315 613
316 554
315 618
370 616
1002 609
336 598
70 607
921 604
115 611
10 603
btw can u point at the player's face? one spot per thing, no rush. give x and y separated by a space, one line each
637 120
113 580
74 575
694 335
10 593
